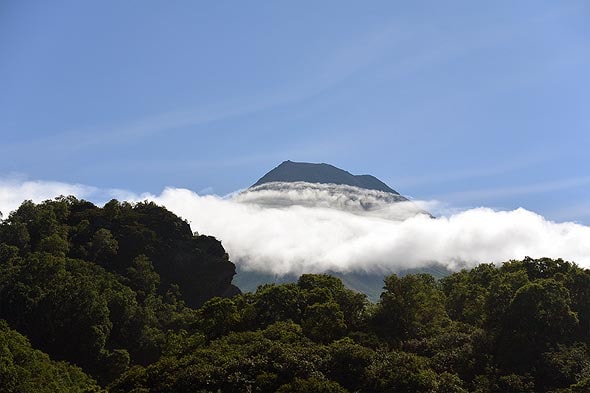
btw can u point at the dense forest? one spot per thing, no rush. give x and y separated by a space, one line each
125 298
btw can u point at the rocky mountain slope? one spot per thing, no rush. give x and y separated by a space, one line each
289 171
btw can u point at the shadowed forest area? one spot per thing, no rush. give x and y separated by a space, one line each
125 298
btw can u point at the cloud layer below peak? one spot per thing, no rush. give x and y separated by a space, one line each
304 238
292 230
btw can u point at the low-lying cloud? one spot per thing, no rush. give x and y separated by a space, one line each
341 197
314 238
296 229
15 189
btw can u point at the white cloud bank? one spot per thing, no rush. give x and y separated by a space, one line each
16 189
327 228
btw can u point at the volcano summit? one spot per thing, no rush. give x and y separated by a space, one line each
291 172
325 186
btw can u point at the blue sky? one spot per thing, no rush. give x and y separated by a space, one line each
469 103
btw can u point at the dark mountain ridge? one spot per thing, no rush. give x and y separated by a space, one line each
289 171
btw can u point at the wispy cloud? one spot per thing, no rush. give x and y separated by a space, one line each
98 135
494 169
575 212
325 73
501 192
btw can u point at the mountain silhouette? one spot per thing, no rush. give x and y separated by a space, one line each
289 171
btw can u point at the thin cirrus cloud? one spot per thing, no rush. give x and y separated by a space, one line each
334 68
323 229
542 187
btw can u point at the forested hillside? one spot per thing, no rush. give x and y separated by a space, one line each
104 288
125 298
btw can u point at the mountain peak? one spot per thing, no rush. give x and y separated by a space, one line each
290 171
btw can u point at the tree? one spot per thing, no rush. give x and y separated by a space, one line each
578 285
324 288
411 306
73 305
466 293
142 276
324 322
348 363
219 317
104 246
400 372
538 318
27 370
278 303
311 385
54 244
